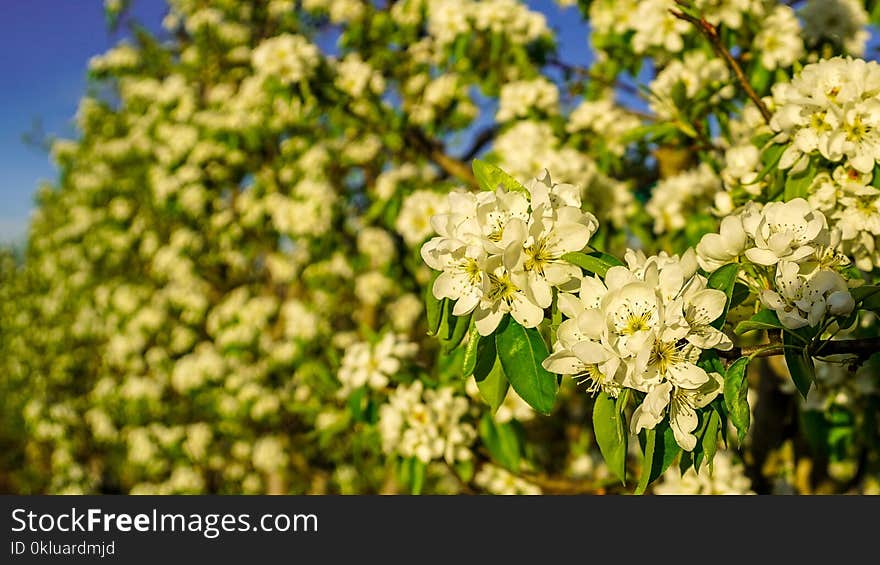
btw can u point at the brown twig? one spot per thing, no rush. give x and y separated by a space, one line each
710 32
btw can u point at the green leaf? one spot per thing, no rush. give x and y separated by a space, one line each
800 364
647 461
469 363
501 441
459 328
521 352
490 177
611 435
770 157
493 388
596 262
710 437
797 186
417 476
486 357
740 293
356 403
686 461
736 390
465 470
867 297
662 453
433 307
724 279
763 320
679 94
447 321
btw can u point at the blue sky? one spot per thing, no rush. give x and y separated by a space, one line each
45 46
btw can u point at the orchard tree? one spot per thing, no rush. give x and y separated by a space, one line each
354 247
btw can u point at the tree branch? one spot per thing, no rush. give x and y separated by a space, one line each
710 32
479 142
862 348
436 153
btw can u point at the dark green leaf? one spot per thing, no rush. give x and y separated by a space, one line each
686 461
723 279
433 307
736 390
522 351
800 364
797 186
486 357
663 452
501 441
770 157
469 363
459 327
447 321
490 177
596 262
763 320
609 427
647 461
740 293
356 403
493 388
709 440
867 296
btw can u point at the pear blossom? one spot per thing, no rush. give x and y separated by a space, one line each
500 252
426 424
717 249
373 365
681 398
785 230
831 109
779 41
644 327
802 300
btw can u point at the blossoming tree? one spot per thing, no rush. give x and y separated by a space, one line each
288 252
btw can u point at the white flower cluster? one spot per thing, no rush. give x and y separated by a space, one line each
605 120
356 77
727 477
779 41
519 98
832 109
675 199
426 424
697 72
497 480
790 253
414 221
528 147
289 58
653 25
644 328
448 19
852 206
513 407
501 252
373 365
840 21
